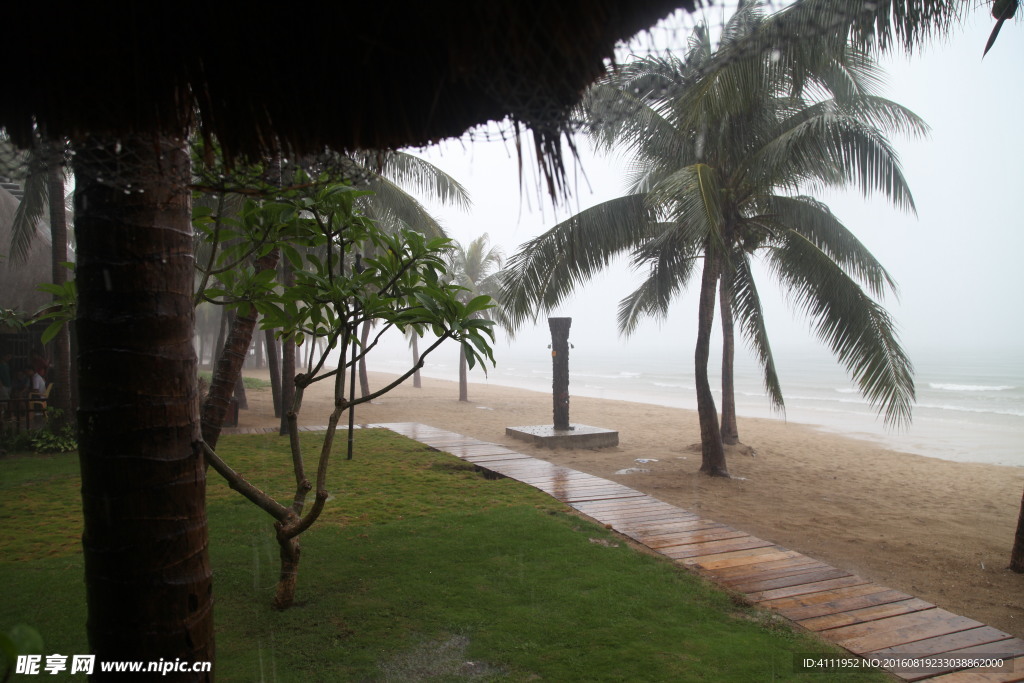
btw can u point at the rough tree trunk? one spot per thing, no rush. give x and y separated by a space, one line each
1017 554
712 451
228 372
147 569
730 431
290 552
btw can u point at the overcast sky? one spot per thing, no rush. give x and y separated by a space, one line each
957 261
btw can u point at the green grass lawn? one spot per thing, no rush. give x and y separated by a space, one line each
420 569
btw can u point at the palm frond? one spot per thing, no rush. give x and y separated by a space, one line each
832 150
815 222
425 179
747 311
669 258
858 331
393 207
32 208
548 268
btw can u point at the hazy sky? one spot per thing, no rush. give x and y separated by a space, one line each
957 261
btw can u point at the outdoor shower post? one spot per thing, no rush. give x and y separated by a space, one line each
560 370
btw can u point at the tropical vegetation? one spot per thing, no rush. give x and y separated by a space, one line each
724 145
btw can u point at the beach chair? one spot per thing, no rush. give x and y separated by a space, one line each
37 404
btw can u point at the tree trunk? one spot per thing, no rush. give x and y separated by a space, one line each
1017 554
287 359
284 595
147 569
712 451
60 397
274 366
364 378
228 371
730 431
417 383
226 317
243 400
463 376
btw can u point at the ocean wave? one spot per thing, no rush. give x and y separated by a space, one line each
970 387
965 409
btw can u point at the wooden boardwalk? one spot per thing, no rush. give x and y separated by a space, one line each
865 618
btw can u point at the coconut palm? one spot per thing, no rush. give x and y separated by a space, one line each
477 268
44 192
723 144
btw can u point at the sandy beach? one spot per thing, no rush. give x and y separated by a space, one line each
939 530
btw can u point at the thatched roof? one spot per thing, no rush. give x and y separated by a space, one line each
368 75
18 280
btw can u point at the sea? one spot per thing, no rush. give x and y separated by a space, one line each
969 407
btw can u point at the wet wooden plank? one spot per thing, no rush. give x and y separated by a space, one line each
979 637
569 494
806 565
693 536
857 616
989 650
1007 649
817 604
494 457
792 563
636 506
900 630
760 585
640 520
814 587
736 558
650 520
1013 674
715 547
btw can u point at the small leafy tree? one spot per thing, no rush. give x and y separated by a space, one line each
403 285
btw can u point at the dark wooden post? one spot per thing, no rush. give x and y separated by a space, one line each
560 370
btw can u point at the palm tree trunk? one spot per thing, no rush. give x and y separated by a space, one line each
730 431
274 366
1017 554
417 383
712 451
364 378
61 396
147 568
287 359
228 372
463 375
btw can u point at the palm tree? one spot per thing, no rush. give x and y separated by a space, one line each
46 166
478 270
722 145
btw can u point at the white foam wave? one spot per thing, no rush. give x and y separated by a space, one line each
970 387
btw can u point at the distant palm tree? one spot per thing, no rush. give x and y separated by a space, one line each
477 268
44 192
722 142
